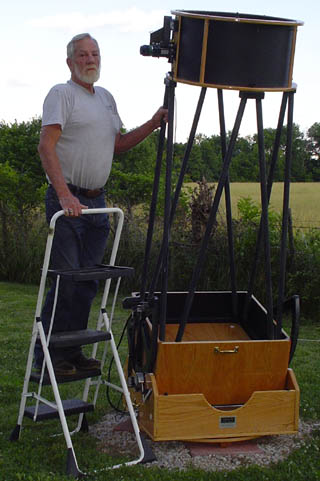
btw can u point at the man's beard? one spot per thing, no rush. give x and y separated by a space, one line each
88 77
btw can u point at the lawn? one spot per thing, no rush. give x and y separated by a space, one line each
40 456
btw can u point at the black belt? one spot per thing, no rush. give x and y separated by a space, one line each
90 193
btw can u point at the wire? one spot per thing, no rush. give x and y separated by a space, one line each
175 120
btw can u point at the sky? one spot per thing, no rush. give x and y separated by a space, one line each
34 35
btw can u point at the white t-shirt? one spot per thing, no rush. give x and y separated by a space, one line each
89 123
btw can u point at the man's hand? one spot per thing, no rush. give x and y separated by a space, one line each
71 206
161 114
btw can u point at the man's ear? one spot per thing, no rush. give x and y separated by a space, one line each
69 63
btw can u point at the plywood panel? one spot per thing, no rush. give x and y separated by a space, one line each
229 376
191 417
225 331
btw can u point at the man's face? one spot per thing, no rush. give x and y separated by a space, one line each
85 63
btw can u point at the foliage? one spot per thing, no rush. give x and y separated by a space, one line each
22 185
250 214
313 148
201 202
206 156
21 174
304 273
129 189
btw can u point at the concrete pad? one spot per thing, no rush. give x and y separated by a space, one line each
223 449
206 449
124 426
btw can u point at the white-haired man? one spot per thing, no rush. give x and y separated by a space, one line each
79 136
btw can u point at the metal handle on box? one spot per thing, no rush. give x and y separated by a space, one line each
217 350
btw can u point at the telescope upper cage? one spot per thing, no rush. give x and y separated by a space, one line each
227 50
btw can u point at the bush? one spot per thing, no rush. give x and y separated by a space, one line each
304 273
22 247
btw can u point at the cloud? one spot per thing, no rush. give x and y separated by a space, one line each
129 20
15 83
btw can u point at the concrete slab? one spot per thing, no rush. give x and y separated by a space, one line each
218 449
206 449
125 426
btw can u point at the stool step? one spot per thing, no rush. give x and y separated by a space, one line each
70 406
99 272
35 376
78 338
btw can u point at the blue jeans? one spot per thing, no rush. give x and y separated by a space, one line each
78 242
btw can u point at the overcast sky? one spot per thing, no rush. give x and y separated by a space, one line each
34 35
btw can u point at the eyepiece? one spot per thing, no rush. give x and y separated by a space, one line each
146 50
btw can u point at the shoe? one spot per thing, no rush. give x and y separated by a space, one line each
83 363
61 368
64 368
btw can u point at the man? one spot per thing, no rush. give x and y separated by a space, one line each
80 133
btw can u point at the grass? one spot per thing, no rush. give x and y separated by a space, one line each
304 200
39 456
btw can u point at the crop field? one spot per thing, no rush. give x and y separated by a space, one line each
304 200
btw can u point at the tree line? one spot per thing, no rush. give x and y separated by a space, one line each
22 178
205 159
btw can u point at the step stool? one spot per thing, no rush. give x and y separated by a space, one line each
43 408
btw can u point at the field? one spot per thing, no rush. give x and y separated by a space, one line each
304 200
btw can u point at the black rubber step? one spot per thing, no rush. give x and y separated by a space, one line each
70 406
78 338
35 376
99 272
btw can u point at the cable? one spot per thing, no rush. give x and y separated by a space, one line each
175 120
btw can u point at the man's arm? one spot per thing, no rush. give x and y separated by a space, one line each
49 137
129 140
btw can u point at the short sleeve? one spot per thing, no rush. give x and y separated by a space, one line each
57 106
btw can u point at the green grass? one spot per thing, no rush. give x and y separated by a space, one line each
38 456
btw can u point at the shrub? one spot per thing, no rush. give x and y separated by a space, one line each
304 273
22 247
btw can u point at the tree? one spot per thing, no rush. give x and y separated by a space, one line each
212 157
22 176
244 166
22 185
313 148
299 155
